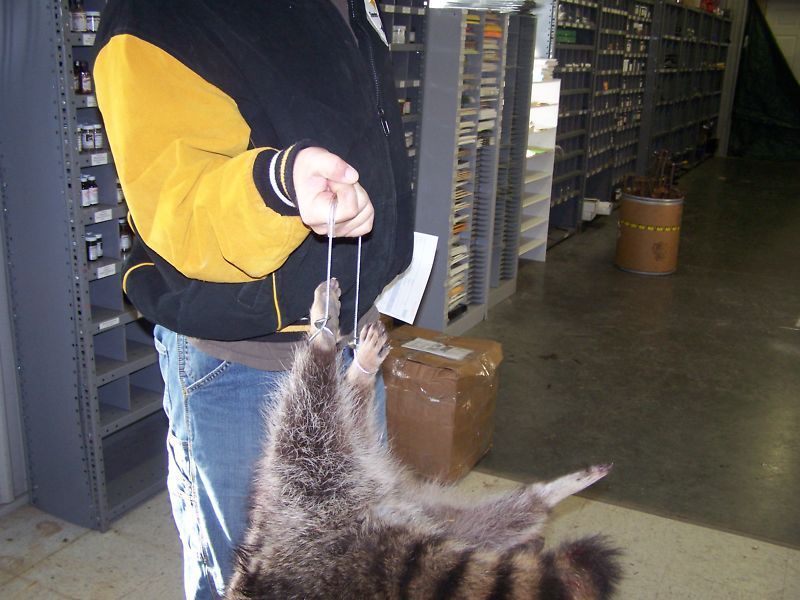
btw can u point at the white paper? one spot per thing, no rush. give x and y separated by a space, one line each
437 348
401 298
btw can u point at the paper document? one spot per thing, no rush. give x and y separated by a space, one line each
401 298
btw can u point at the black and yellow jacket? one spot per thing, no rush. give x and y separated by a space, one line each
205 105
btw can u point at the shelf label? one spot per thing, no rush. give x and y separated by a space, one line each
106 270
87 39
91 101
99 158
406 10
108 323
102 215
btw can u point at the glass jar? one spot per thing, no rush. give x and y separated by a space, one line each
91 246
85 193
87 137
94 191
125 236
77 16
92 20
99 137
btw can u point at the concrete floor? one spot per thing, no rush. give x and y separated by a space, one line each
689 383
139 558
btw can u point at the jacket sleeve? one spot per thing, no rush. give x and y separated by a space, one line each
214 209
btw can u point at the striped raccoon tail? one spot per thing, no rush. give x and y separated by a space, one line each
586 569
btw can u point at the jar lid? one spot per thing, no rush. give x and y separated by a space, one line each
92 177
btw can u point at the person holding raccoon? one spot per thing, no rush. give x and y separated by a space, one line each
233 127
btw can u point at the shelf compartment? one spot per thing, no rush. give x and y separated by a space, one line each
137 356
534 176
530 245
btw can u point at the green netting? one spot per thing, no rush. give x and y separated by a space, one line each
766 110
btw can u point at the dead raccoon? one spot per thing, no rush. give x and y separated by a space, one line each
335 516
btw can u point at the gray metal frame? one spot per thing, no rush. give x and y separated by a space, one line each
76 449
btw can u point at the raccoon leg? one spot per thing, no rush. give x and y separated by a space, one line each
555 491
324 314
369 356
503 519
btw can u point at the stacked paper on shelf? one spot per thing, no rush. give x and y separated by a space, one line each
543 68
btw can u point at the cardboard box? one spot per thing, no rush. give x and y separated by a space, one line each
440 410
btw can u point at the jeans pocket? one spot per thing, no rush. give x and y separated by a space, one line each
198 369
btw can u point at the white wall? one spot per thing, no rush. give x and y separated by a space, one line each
783 17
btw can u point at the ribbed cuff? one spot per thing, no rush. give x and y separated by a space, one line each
272 173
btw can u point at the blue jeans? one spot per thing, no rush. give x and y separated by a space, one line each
216 412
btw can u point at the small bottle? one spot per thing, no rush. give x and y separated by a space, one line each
79 138
120 193
99 138
87 138
91 246
99 244
82 77
85 194
125 236
76 77
94 191
92 20
77 16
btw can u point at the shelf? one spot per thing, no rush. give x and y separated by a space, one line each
104 267
85 101
80 39
143 404
531 223
402 10
106 318
565 46
100 213
535 199
566 176
406 47
94 159
569 135
138 355
534 176
531 245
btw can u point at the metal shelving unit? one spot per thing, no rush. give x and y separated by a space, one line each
688 66
637 76
404 24
509 208
88 373
459 158
575 49
539 163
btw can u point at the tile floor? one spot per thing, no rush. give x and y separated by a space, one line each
42 557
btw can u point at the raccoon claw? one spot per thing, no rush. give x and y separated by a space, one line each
372 349
558 489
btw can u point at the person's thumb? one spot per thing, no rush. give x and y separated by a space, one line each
335 169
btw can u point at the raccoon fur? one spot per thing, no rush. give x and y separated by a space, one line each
335 516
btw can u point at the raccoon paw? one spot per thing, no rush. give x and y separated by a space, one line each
372 349
324 313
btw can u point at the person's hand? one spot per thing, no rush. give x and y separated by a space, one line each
319 176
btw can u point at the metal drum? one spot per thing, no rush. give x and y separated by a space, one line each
649 233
